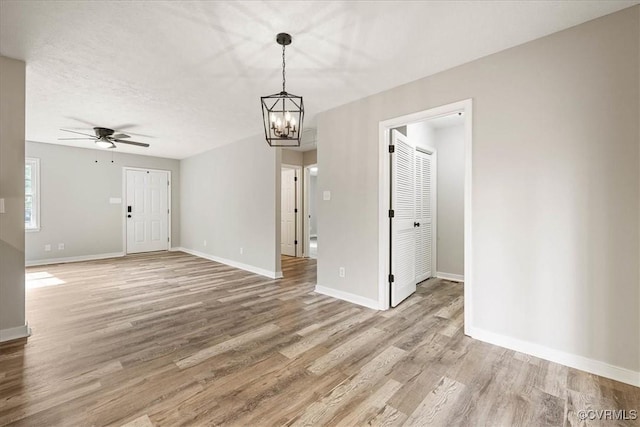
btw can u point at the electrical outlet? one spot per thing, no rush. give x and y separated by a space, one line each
341 272
47 248
241 251
204 243
60 246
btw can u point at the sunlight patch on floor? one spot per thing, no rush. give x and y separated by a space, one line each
42 279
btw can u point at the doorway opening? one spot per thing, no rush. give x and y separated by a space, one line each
147 210
291 211
310 211
425 202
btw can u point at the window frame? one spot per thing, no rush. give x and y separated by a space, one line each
35 194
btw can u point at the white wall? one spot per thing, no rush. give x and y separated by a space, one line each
75 193
449 144
555 192
12 122
228 198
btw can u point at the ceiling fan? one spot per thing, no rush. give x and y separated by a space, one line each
104 138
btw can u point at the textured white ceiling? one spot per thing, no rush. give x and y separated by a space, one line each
187 76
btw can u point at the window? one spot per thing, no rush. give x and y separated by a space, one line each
32 194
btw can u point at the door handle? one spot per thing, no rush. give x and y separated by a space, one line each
416 224
128 216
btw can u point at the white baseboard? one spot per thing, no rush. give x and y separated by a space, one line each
450 276
349 297
11 334
231 263
30 263
572 360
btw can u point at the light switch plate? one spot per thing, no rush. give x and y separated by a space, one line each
2 206
326 195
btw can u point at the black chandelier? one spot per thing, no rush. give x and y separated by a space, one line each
282 113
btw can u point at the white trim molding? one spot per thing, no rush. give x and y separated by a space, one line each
18 332
450 276
31 263
231 263
349 297
582 363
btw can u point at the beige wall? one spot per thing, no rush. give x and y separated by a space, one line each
292 157
555 190
75 193
310 157
448 142
228 198
12 125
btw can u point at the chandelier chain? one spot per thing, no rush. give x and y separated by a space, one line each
283 74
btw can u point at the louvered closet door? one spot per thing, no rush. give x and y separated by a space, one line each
424 216
403 245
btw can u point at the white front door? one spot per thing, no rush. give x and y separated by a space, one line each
287 213
403 233
147 210
424 216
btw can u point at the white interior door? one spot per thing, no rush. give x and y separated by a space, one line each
287 213
403 233
424 215
147 211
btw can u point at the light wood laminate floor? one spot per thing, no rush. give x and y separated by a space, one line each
168 339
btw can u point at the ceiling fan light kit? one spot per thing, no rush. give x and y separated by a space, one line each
283 113
105 138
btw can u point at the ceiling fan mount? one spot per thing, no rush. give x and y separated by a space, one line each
105 138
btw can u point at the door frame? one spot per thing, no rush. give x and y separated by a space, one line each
307 224
298 188
124 203
384 173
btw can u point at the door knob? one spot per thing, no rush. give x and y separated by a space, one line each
128 216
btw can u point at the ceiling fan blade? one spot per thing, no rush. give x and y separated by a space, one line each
139 144
124 126
79 133
120 135
68 139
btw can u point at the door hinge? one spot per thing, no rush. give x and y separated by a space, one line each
391 213
295 178
168 239
295 210
392 149
167 210
391 278
295 242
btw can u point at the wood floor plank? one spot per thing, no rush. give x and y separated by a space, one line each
169 339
